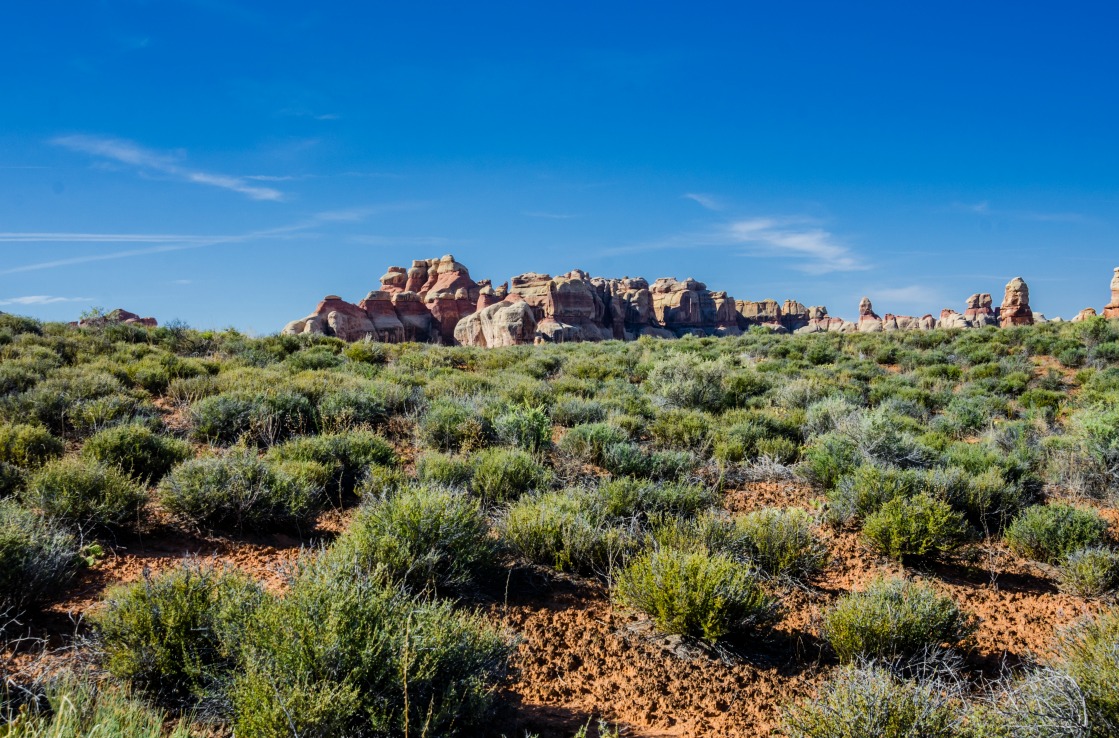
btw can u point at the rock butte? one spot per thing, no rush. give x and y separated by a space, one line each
118 316
437 301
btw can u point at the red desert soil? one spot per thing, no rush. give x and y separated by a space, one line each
579 658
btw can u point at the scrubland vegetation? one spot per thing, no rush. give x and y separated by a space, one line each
459 473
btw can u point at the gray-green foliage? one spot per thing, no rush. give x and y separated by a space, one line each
85 494
37 559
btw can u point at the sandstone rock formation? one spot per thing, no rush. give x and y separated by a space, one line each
1112 309
1015 308
1084 314
436 300
116 317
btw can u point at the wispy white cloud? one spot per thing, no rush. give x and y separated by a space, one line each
550 216
817 251
42 300
810 247
168 243
911 295
984 208
706 201
132 154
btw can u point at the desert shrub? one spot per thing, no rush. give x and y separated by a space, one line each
238 492
631 460
689 383
829 458
421 537
894 619
528 428
85 494
780 543
366 352
37 559
1089 653
1048 533
694 593
867 489
341 653
444 469
567 530
681 429
782 450
263 418
138 451
347 455
865 700
504 474
915 527
73 706
572 411
1090 572
1041 703
28 446
588 442
82 400
449 425
11 480
346 409
174 634
628 497
316 358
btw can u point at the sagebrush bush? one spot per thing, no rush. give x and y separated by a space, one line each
572 411
589 442
915 527
347 455
445 469
1048 533
425 538
137 450
1090 572
894 619
347 409
450 425
829 458
1089 653
688 430
76 706
28 446
85 494
528 428
11 479
175 634
37 559
239 492
567 530
863 492
694 593
505 474
263 418
629 497
342 653
865 701
780 543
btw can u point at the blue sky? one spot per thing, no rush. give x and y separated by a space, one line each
229 163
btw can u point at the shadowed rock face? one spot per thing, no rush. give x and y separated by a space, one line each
436 301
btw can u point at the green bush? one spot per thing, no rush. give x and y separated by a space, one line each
689 383
37 560
175 634
445 469
528 428
867 701
894 619
238 492
347 409
28 446
78 707
573 411
505 474
1089 652
1048 533
629 497
867 489
589 442
138 451
694 593
85 494
347 455
915 527
829 458
567 530
682 429
1090 572
341 653
11 480
449 425
780 543
264 418
426 538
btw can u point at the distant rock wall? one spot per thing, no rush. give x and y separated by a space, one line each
436 301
